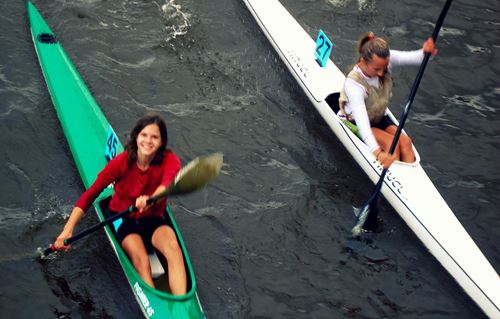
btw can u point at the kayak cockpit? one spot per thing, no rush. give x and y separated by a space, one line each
333 102
158 263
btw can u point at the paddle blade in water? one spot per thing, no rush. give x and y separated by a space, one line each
371 222
360 221
366 219
44 253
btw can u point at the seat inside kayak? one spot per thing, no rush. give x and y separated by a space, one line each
157 265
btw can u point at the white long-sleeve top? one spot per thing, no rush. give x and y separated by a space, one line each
356 93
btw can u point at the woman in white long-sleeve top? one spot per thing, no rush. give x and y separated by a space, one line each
367 92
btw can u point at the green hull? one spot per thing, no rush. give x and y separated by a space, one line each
86 130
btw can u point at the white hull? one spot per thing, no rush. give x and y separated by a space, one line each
407 187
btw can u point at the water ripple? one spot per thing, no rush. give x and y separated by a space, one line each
464 184
226 103
474 102
141 64
269 205
477 49
427 118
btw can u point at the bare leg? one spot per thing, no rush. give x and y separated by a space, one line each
136 251
165 241
384 139
405 145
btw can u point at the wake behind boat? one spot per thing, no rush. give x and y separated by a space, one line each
406 186
93 142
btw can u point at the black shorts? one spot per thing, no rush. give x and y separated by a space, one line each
384 123
145 227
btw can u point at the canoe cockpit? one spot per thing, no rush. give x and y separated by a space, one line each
159 266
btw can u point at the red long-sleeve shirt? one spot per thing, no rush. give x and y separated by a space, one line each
132 182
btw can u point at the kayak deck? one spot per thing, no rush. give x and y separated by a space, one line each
88 135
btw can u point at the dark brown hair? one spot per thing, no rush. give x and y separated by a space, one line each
131 147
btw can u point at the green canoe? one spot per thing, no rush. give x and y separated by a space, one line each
92 141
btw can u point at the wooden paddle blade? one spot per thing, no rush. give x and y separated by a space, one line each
196 174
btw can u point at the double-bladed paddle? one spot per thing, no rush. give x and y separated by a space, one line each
368 213
191 177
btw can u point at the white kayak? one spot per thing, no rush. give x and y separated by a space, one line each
406 186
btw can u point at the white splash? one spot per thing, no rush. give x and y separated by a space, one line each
177 22
363 5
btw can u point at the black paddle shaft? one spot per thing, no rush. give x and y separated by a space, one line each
414 88
191 177
371 218
111 219
420 74
100 225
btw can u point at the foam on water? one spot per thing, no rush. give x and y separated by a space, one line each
177 21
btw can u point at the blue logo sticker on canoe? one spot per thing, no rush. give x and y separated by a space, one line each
323 48
117 223
111 144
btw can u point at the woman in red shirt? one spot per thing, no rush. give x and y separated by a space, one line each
144 169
